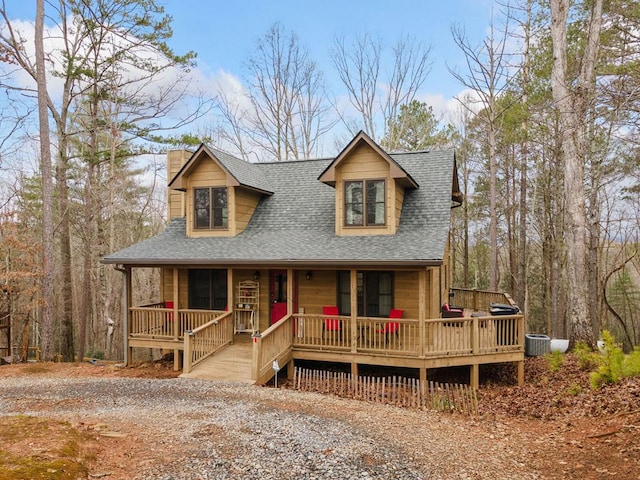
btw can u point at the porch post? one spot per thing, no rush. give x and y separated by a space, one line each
520 365
422 303
229 289
290 369
176 320
126 314
475 376
289 291
475 336
256 338
353 288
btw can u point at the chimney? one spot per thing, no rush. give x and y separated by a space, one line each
175 198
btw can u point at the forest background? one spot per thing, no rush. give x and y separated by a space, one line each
545 131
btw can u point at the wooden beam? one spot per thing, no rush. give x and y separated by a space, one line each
229 289
176 320
127 300
353 289
422 310
475 376
289 291
520 366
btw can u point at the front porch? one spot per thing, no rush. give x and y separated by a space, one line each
422 344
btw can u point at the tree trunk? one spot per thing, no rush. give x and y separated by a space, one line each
47 315
66 293
571 112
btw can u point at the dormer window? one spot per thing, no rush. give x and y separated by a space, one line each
210 208
364 202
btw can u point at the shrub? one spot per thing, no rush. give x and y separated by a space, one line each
555 361
574 389
97 354
587 359
611 368
631 366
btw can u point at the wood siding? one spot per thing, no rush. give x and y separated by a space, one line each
207 173
175 199
245 203
399 199
365 164
319 291
406 293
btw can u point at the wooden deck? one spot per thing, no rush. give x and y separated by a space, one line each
212 351
232 363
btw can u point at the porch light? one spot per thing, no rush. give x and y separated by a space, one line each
309 275
256 275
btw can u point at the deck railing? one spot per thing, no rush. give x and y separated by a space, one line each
275 343
432 338
157 322
207 338
478 300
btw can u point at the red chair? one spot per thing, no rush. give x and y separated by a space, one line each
169 314
449 311
331 324
391 328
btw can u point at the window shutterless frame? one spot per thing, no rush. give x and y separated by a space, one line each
210 208
364 203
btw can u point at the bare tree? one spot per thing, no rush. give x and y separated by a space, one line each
360 65
488 75
286 90
572 101
112 53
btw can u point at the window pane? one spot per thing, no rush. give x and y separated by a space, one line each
219 281
375 202
344 295
199 289
353 203
220 211
202 208
385 292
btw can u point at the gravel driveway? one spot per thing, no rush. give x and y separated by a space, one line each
194 429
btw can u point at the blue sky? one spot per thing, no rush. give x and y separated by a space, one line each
224 33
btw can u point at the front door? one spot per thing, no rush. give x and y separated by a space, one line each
278 292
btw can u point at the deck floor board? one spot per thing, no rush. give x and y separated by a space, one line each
231 364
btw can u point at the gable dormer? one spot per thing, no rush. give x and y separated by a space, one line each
219 193
369 189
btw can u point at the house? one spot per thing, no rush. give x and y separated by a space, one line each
310 258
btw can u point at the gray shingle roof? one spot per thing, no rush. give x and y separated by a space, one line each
296 225
247 174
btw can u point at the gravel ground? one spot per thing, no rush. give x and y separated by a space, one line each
195 429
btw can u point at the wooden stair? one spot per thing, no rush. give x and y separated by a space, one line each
232 364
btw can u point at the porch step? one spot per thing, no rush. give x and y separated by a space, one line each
232 364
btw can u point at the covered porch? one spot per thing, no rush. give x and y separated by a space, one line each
421 339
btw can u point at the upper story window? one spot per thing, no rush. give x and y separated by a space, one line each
210 208
364 202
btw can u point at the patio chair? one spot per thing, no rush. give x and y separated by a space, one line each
331 324
449 311
391 328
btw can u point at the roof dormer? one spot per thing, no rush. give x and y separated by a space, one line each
220 192
369 188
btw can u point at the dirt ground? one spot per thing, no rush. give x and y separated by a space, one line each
581 431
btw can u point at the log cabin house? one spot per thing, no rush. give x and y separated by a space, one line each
309 258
